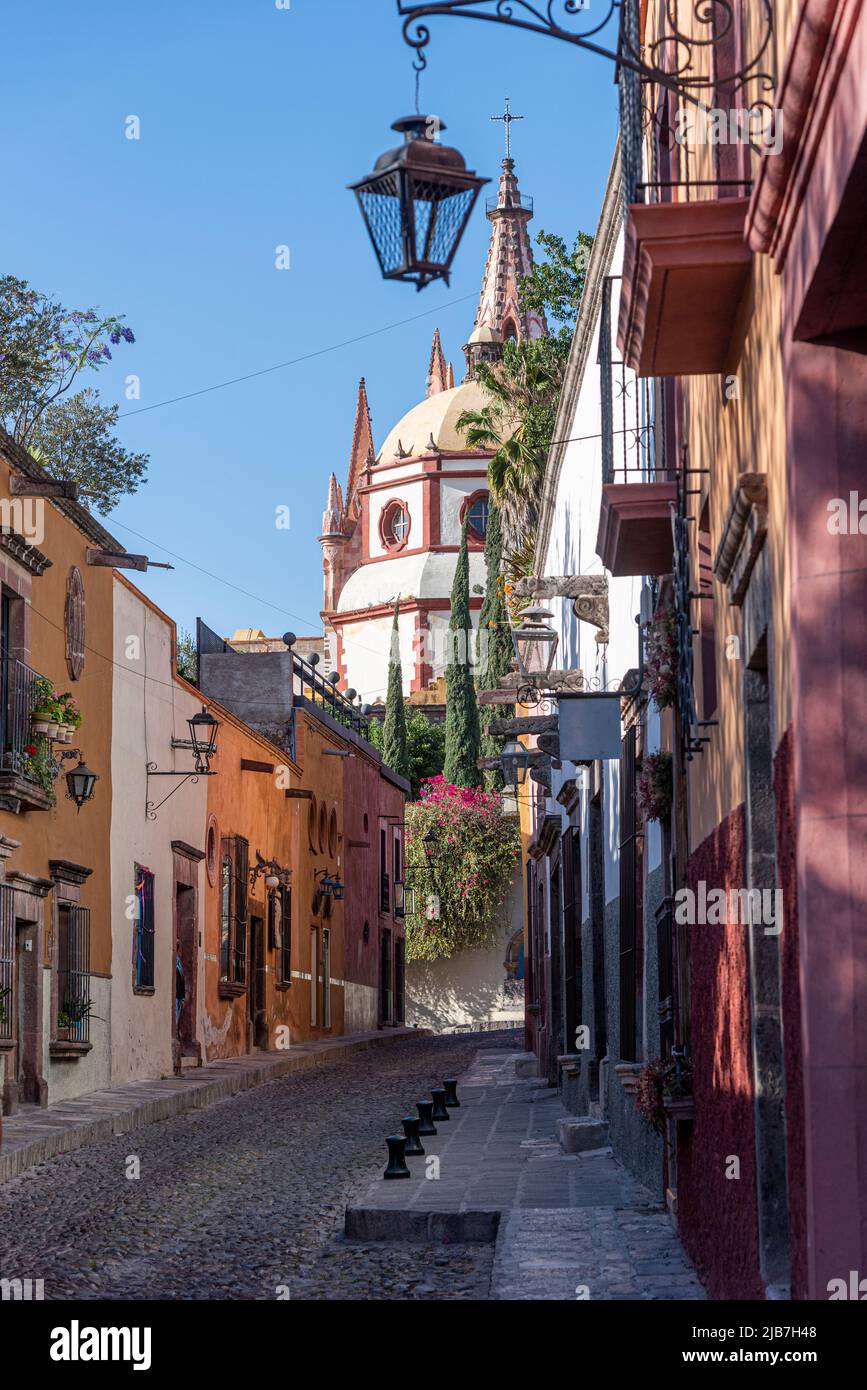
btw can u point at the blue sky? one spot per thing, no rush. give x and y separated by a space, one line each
253 120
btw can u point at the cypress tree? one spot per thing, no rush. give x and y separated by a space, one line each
395 752
495 644
463 734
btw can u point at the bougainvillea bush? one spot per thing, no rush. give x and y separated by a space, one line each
660 662
472 872
655 786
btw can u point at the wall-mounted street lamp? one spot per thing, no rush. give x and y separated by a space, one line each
80 781
416 203
274 874
430 844
535 642
203 745
515 762
330 887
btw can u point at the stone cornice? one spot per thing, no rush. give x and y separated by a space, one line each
188 851
23 552
743 534
65 871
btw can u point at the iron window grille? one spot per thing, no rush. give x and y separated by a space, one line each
233 909
143 936
73 973
628 409
7 960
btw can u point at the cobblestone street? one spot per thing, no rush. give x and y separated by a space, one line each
246 1199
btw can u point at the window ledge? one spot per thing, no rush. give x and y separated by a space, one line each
283 985
64 1051
229 990
144 989
19 793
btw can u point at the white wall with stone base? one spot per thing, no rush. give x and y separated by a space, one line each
471 990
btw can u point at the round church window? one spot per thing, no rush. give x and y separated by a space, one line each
477 516
394 526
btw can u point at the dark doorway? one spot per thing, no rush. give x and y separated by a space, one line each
399 980
188 951
385 986
766 1022
257 1030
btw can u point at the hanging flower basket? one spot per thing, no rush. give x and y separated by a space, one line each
664 1089
655 786
660 662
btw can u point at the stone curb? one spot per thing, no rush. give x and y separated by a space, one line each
422 1227
35 1136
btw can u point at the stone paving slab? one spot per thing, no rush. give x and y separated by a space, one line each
34 1135
566 1225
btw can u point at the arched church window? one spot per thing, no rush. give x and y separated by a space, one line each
477 517
394 525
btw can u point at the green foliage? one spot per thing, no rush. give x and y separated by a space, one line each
463 734
518 424
554 286
187 658
472 873
394 746
43 349
495 627
73 440
426 745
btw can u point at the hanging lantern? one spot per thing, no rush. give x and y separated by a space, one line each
514 760
535 642
417 202
337 889
80 782
203 732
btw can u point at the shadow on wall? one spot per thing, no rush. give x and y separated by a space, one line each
468 991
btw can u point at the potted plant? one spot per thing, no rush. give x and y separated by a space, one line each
37 764
74 1011
660 663
664 1091
43 708
70 716
655 786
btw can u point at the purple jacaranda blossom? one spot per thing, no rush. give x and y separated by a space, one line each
94 355
114 337
128 334
105 352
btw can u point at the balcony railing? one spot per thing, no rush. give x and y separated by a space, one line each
629 409
323 693
7 960
493 203
18 686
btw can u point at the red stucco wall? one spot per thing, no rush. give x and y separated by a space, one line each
787 869
717 1216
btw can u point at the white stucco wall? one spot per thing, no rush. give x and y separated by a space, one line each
469 990
149 710
410 493
572 550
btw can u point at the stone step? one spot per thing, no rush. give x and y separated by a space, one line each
577 1133
527 1065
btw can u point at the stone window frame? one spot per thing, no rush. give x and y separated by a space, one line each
389 541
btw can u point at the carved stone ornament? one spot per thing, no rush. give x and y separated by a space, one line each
589 594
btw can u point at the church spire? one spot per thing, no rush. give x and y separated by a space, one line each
361 453
333 519
500 314
438 369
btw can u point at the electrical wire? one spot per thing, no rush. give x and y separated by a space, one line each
294 361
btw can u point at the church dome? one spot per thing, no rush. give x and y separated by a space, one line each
434 418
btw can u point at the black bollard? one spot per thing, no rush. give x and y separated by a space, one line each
410 1128
439 1104
396 1166
451 1087
425 1112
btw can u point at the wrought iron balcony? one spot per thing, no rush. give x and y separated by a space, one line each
21 786
314 687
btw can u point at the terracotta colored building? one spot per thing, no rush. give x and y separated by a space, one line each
55 906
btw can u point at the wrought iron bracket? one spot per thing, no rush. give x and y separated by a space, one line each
562 19
153 771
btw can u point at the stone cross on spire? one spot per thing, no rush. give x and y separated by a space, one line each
507 119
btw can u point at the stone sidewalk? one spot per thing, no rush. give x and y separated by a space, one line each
566 1226
34 1135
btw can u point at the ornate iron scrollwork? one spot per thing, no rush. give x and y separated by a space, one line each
692 740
